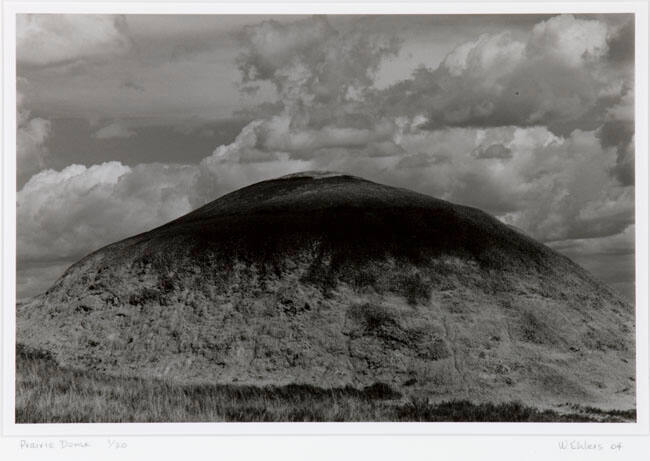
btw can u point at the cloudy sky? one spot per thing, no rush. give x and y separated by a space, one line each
126 122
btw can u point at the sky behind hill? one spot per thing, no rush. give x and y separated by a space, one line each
126 122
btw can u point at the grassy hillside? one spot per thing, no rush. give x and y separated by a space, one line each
47 393
331 283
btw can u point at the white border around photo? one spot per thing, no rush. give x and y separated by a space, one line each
502 434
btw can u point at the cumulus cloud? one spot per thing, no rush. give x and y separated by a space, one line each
557 76
63 215
565 189
497 52
309 61
43 39
322 78
114 130
571 40
263 140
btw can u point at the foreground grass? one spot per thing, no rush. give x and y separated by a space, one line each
47 393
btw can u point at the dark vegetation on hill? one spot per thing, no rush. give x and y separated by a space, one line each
348 222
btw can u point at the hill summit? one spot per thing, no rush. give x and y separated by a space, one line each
332 280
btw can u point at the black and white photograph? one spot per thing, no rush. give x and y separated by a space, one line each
325 218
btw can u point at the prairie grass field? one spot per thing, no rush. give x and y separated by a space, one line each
48 393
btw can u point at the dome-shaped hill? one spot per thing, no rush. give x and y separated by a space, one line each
331 280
